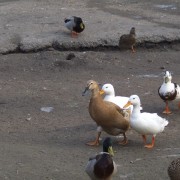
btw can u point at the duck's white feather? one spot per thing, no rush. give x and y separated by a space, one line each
167 88
70 24
110 96
147 123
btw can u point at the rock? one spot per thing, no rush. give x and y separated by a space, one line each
70 56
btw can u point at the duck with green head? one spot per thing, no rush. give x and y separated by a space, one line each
75 25
102 165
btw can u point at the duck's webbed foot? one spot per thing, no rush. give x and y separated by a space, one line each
124 141
95 142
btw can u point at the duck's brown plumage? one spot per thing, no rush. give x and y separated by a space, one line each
106 114
128 41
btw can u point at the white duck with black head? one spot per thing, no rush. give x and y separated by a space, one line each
169 91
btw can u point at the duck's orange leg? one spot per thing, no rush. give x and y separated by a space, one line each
144 138
96 142
149 146
167 110
124 141
74 34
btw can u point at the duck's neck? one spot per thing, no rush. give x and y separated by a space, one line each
96 98
112 93
109 95
95 93
136 109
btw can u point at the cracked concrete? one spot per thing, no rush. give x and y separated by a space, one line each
35 25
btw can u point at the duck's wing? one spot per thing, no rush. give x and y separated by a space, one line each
90 168
124 37
154 120
104 167
120 100
70 23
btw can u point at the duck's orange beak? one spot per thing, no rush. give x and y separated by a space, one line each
127 104
101 92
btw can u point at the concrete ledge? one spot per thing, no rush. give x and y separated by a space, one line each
38 25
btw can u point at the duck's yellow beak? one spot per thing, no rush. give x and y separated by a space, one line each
127 104
81 26
110 151
101 92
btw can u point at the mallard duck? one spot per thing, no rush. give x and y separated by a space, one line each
174 169
75 25
169 91
107 115
145 123
102 165
127 41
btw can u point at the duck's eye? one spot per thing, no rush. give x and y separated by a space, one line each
106 87
134 98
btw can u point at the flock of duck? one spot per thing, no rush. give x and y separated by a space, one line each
115 114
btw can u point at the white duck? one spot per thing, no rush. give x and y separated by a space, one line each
169 91
102 166
145 123
109 92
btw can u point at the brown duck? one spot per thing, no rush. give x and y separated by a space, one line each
107 115
127 41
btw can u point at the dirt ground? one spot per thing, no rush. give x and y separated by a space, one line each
38 145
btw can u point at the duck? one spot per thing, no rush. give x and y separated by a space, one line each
174 169
145 123
75 25
108 116
169 91
102 166
127 41
109 92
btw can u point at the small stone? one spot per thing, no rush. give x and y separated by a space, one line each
162 67
70 56
105 41
28 118
150 60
